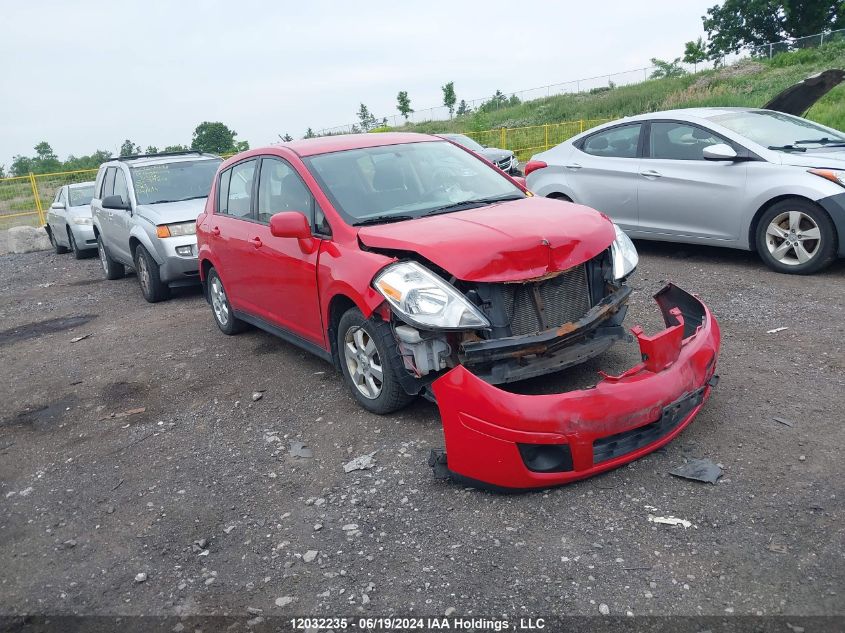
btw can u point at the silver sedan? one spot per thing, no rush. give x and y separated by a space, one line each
736 177
69 223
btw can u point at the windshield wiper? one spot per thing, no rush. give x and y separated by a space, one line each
468 204
177 200
836 142
383 219
788 148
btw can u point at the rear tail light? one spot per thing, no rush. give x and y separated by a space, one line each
534 165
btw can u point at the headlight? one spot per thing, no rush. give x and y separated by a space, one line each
624 253
834 175
423 299
176 230
81 219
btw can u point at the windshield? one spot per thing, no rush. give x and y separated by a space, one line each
173 182
407 181
775 129
80 196
466 141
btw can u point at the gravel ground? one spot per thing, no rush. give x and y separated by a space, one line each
195 502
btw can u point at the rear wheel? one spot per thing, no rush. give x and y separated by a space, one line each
60 250
220 306
74 247
796 237
369 362
152 287
113 269
559 196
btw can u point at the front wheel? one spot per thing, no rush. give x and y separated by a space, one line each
74 247
152 287
60 250
113 269
796 237
369 360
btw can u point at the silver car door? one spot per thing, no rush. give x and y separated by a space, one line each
53 217
603 172
105 215
681 194
122 219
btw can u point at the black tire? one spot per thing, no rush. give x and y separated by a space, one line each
559 196
60 250
113 269
390 396
782 242
74 247
224 317
149 276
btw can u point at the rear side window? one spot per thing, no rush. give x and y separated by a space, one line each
281 189
618 142
239 193
680 141
108 183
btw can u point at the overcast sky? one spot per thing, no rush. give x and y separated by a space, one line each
85 75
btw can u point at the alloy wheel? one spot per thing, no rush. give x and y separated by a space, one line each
103 258
363 362
143 274
793 238
218 301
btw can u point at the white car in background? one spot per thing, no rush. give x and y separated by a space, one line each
69 223
742 178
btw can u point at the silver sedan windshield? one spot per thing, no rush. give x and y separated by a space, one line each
775 129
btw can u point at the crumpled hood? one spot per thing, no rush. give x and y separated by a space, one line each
170 212
833 158
508 241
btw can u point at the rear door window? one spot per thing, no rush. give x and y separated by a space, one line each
617 142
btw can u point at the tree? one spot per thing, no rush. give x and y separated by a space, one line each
287 138
21 165
463 108
665 69
309 133
128 148
2 171
449 97
151 149
216 138
740 23
403 104
695 53
177 148
366 118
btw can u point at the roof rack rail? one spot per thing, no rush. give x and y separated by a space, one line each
180 153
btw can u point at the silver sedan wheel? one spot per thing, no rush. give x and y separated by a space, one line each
793 238
363 362
218 302
143 274
101 249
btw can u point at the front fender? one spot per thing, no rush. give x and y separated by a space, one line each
141 234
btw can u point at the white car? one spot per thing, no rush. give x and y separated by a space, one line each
737 177
69 223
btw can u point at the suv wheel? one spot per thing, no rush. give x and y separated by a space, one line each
795 236
74 247
60 250
113 269
369 361
220 306
152 287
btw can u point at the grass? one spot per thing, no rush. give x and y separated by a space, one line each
747 83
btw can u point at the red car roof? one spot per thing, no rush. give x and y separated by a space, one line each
326 144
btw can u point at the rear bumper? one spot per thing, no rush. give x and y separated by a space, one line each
511 441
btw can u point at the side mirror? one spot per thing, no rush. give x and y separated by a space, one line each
57 205
115 202
290 224
720 151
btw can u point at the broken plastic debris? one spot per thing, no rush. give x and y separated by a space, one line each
670 520
698 470
776 330
76 339
784 421
299 449
362 462
124 414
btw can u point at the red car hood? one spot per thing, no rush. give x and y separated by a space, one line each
509 241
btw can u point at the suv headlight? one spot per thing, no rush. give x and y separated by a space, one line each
625 258
176 230
834 175
423 299
81 219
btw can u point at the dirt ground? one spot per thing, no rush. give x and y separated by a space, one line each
195 504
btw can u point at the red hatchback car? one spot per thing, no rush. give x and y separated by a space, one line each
418 269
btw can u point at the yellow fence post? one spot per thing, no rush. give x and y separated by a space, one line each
504 138
582 125
37 199
546 130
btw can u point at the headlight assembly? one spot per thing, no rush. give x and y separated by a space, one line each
423 299
176 230
625 258
834 175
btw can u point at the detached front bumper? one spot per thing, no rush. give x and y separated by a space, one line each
503 440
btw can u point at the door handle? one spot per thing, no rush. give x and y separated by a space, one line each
215 231
650 173
573 166
256 242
